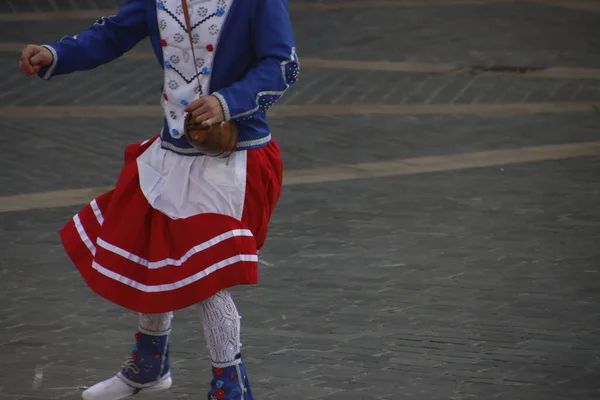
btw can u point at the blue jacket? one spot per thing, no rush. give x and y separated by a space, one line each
255 62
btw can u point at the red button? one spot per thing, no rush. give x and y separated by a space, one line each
163 43
209 47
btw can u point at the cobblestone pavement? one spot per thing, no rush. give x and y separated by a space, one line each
471 284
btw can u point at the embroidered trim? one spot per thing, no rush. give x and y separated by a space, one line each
183 150
150 333
102 20
292 59
224 105
205 26
237 361
97 212
83 235
197 24
177 285
163 359
170 262
188 81
245 145
254 142
241 377
50 70
170 13
145 385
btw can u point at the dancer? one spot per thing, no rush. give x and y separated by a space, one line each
191 206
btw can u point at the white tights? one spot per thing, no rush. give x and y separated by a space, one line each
221 323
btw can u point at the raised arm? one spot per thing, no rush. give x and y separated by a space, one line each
106 40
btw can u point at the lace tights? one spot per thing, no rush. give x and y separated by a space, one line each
221 323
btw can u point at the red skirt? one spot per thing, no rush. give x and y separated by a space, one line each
141 259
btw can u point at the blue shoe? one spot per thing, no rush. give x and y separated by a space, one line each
149 360
230 381
146 370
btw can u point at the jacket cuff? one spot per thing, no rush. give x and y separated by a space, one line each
46 73
224 106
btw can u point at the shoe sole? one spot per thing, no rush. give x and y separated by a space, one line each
159 387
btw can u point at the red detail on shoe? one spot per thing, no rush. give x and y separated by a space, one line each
218 371
157 356
163 43
220 394
134 356
166 97
210 47
137 336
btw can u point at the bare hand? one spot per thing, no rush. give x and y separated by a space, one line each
206 110
34 58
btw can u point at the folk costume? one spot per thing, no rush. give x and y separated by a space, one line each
181 227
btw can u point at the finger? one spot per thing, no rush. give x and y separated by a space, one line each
192 106
195 104
26 67
215 118
37 59
209 122
30 69
25 71
203 117
203 109
26 55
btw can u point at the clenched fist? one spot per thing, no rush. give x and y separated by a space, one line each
34 58
206 110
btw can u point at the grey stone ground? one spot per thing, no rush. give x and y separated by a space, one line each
474 284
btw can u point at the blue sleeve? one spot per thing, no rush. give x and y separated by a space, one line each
106 40
275 70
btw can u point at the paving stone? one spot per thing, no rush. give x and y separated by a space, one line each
46 162
493 34
463 350
127 82
19 6
519 34
472 284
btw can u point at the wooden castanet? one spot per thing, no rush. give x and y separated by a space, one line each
221 137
